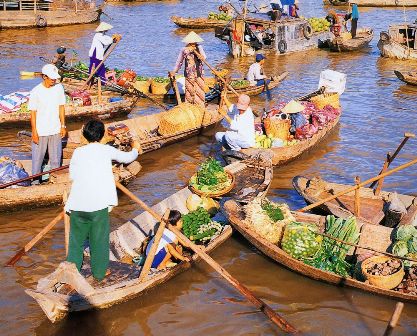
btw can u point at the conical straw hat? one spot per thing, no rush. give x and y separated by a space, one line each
192 38
103 26
292 107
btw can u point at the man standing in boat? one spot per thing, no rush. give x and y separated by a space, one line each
241 133
255 74
46 105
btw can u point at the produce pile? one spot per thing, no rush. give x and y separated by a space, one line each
240 83
142 78
409 283
211 177
162 80
79 74
319 24
388 267
405 244
264 141
268 218
300 240
219 16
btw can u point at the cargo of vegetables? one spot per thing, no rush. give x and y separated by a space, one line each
198 226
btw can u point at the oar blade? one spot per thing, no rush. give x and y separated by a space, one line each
15 258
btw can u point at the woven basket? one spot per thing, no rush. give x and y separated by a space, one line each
322 100
382 281
277 128
214 193
160 88
181 118
143 86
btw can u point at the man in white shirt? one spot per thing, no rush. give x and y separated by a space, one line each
255 73
93 191
241 133
46 106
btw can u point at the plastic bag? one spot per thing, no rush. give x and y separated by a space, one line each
9 172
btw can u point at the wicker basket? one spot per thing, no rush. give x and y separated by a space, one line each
181 118
382 281
214 193
277 128
325 99
160 88
143 86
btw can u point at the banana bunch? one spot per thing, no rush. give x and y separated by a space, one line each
263 141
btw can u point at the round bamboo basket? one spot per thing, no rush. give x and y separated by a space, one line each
277 128
214 193
160 88
181 118
325 99
382 281
143 86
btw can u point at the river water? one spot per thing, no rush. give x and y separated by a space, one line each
377 110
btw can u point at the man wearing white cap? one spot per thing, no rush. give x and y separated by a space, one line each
193 69
46 105
97 49
241 133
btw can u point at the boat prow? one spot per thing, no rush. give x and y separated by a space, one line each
407 77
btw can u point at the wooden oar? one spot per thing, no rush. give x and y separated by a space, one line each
38 237
261 305
175 87
30 74
360 185
394 318
8 184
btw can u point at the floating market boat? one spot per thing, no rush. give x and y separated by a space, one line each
255 90
198 23
81 292
409 77
374 3
41 14
373 208
399 42
371 236
104 110
23 198
362 39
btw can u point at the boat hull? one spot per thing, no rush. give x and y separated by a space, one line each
362 40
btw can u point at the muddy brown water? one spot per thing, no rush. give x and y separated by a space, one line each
377 110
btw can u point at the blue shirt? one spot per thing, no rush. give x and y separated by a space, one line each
355 11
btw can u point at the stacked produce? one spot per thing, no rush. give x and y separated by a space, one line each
162 80
210 205
219 16
211 177
198 226
267 218
240 83
405 244
385 268
409 282
300 240
319 24
263 141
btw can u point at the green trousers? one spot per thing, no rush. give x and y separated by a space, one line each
93 226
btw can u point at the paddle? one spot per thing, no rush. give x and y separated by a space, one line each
258 303
360 185
394 318
175 87
268 93
38 237
8 184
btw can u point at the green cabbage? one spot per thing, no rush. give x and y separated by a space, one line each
412 244
400 248
405 232
300 241
409 263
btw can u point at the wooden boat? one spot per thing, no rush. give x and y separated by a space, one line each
255 90
122 284
372 207
407 77
362 39
282 155
399 42
198 23
372 236
105 110
40 14
374 3
145 129
23 198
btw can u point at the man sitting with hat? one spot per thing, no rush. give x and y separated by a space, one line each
241 133
255 73
293 109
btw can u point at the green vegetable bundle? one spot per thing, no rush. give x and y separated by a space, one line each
211 176
141 78
162 80
219 16
300 240
240 83
198 226
319 24
273 211
406 232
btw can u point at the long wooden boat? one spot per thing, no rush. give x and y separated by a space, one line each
372 207
362 39
399 42
409 77
282 155
122 284
372 236
198 23
41 14
255 90
374 3
24 198
104 110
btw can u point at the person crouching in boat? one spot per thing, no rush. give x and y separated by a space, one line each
241 133
59 59
193 69
98 46
255 73
170 246
93 194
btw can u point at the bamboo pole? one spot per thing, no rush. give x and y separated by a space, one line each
357 197
394 318
175 87
99 90
258 303
350 189
383 170
66 223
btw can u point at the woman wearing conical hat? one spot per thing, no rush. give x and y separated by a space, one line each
193 69
100 42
